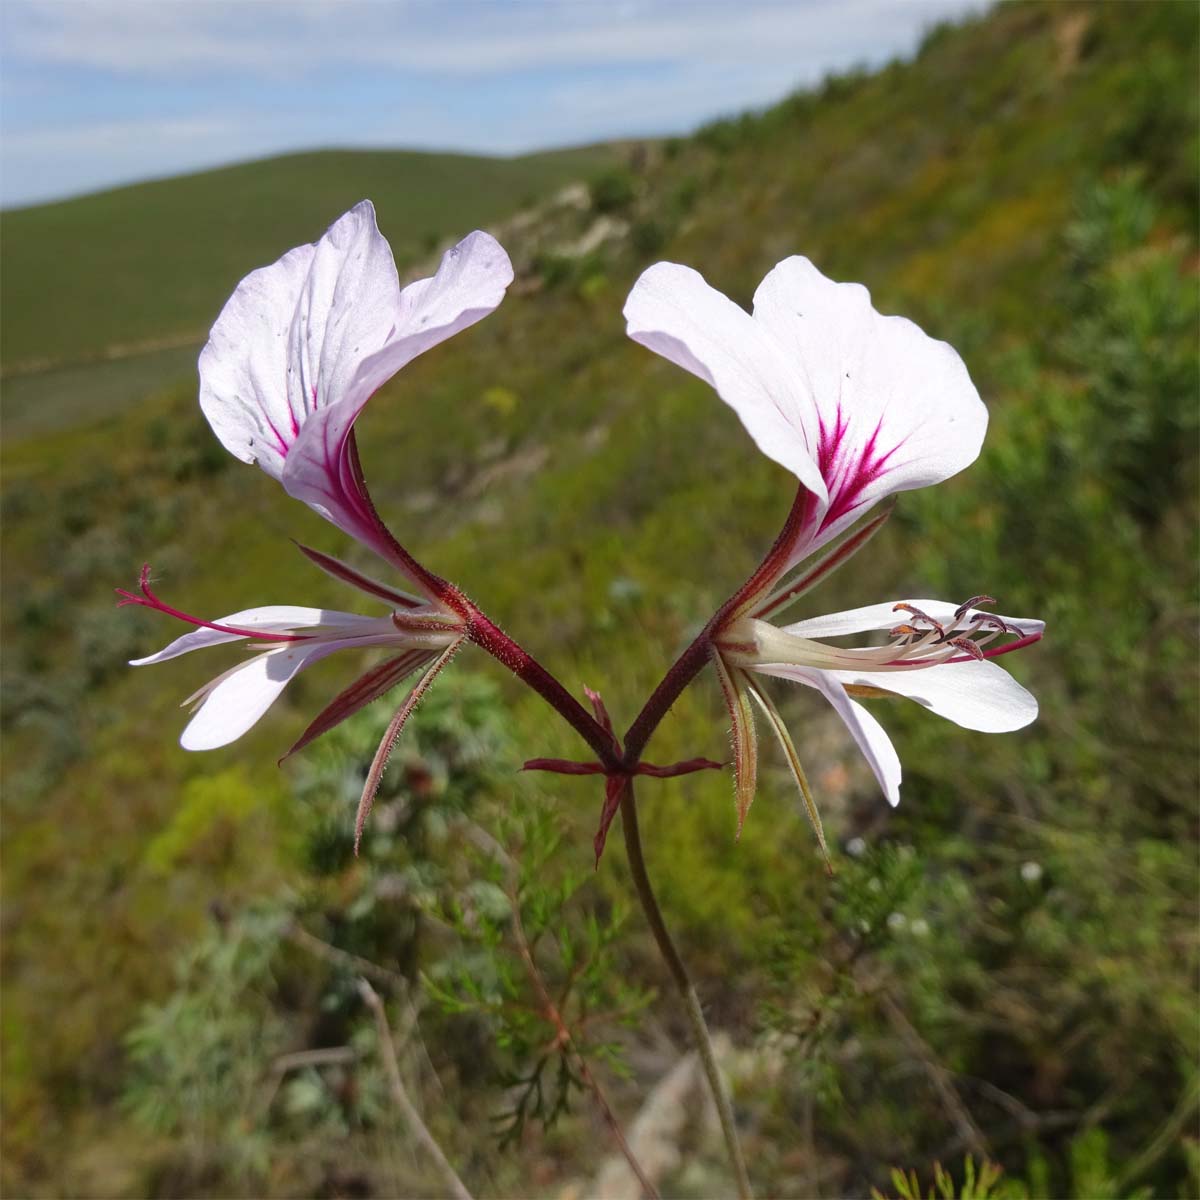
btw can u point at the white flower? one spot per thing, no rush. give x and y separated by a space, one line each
294 356
303 344
858 406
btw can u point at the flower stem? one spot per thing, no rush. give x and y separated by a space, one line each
683 983
694 659
487 635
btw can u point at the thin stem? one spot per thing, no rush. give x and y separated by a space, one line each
401 1098
692 661
683 983
487 635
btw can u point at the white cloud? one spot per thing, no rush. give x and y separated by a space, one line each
224 81
162 37
117 136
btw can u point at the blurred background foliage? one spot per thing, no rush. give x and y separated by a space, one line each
1003 968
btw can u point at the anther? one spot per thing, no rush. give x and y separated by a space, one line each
965 643
974 602
920 616
991 621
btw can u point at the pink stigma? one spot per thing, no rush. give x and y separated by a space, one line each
149 600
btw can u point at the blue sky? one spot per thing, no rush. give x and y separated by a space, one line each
100 92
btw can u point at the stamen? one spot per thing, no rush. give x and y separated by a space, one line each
972 648
970 631
990 620
920 616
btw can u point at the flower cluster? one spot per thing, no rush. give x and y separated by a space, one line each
858 406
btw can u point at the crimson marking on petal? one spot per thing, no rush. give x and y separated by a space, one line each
284 446
149 600
847 480
1007 648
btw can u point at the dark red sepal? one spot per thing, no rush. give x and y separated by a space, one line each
679 768
563 766
614 785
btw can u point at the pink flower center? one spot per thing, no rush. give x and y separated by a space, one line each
923 641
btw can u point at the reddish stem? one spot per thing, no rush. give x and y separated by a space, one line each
692 661
487 635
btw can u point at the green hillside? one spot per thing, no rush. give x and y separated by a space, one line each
152 263
1024 188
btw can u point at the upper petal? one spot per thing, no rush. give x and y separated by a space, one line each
673 311
302 344
884 616
469 284
975 695
291 337
893 408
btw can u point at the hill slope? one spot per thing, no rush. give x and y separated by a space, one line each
1024 189
153 262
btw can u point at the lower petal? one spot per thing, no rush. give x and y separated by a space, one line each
241 696
975 695
871 737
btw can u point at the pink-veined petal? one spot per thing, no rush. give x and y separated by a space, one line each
976 695
244 365
674 312
291 338
469 284
871 737
302 344
272 618
884 616
894 408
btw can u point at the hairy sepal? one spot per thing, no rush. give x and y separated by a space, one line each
794 765
345 573
817 572
363 691
743 735
392 734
